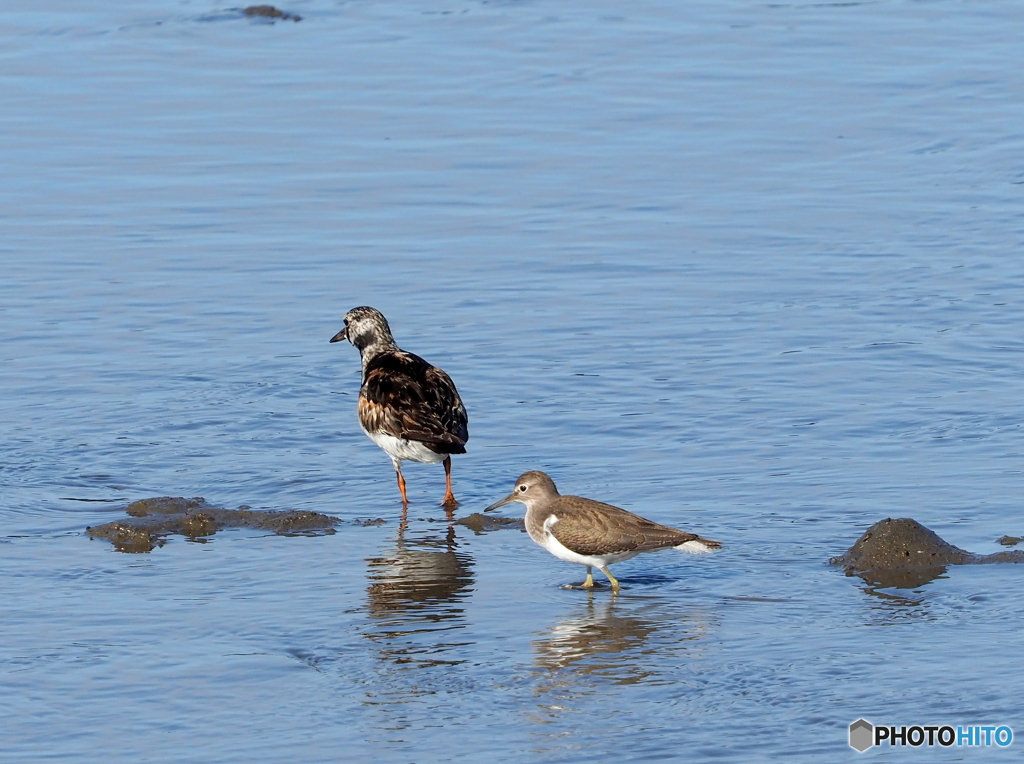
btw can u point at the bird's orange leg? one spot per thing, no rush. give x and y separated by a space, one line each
449 497
401 486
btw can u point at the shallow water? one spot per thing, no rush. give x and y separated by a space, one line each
748 269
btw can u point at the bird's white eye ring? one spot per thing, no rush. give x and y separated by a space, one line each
522 488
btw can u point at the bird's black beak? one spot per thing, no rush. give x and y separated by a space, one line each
502 502
342 335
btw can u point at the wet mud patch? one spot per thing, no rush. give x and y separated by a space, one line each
150 521
904 554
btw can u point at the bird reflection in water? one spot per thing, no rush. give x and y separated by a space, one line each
416 600
624 643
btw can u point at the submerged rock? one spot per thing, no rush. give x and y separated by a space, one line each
905 554
151 520
370 523
270 12
480 523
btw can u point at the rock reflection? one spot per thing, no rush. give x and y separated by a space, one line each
892 607
617 642
899 579
415 600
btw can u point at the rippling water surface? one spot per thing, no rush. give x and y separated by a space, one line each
751 269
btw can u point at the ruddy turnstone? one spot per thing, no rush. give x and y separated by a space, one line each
406 406
590 532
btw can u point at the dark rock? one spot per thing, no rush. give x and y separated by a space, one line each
163 505
903 553
1010 540
480 523
127 538
1014 556
151 520
270 12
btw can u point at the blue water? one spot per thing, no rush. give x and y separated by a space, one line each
749 269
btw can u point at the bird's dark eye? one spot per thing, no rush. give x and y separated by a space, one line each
522 488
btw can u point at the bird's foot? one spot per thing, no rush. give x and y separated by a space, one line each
584 586
612 580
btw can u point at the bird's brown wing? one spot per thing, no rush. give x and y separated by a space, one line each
406 397
591 527
444 400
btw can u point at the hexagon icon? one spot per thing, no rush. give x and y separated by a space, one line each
862 735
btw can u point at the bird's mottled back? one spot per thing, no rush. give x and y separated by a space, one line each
406 397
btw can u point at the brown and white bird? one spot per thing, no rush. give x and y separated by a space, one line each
590 532
406 406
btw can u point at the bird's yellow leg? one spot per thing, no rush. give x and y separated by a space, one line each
614 581
589 583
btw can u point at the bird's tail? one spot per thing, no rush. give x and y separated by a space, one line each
698 545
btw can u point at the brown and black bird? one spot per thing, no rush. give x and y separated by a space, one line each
590 532
406 406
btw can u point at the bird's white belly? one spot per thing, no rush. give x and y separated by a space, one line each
402 449
559 550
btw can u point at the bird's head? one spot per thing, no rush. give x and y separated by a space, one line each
530 487
366 328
